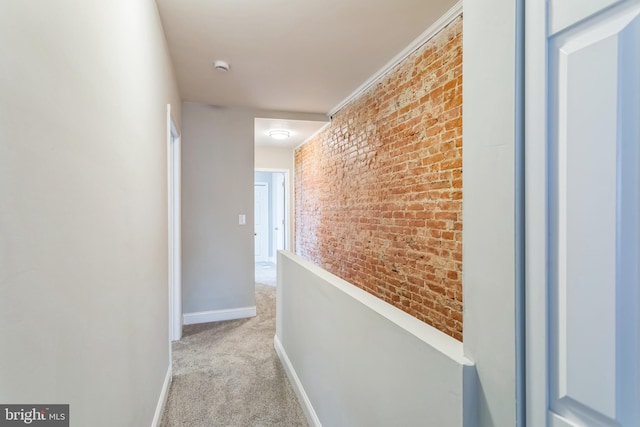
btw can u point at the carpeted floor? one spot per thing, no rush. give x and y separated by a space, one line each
228 374
266 273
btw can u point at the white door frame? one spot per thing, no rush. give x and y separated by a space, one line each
279 229
535 210
287 205
174 213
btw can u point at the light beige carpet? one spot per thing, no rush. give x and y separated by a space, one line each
228 374
266 272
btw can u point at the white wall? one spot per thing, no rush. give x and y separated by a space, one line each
274 158
83 218
489 280
217 186
355 360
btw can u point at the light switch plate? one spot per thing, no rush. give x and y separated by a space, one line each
242 219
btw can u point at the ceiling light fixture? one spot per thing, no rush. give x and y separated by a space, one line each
221 65
279 134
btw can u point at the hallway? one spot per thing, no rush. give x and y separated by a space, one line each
228 374
266 273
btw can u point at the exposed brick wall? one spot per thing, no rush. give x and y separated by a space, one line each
379 191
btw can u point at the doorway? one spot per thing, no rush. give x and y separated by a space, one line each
271 222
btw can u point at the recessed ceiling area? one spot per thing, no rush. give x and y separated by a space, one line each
299 130
296 56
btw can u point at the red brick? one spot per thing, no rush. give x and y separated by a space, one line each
378 193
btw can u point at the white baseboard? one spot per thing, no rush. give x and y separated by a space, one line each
218 315
307 407
162 400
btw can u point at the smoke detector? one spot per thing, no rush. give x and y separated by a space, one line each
221 65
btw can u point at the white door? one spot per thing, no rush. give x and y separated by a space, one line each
582 157
279 211
261 215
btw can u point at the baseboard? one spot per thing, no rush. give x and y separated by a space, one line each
307 407
162 400
218 315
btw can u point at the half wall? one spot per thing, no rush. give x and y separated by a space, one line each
355 360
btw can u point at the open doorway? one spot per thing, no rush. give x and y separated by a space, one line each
271 222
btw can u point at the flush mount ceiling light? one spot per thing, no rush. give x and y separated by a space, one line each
279 134
221 65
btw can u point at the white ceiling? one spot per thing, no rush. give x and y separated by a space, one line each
287 55
300 131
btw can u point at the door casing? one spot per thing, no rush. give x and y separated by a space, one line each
174 229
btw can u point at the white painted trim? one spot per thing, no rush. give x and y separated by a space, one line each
307 407
520 208
174 149
536 211
442 22
271 170
218 315
162 400
264 258
277 228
